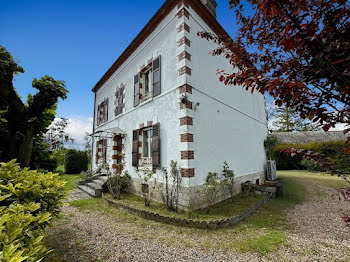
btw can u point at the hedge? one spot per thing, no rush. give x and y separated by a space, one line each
28 201
75 161
335 150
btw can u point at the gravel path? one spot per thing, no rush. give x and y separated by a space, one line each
317 234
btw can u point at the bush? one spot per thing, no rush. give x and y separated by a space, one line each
75 161
49 164
28 200
311 165
335 150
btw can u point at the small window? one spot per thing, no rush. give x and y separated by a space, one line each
102 112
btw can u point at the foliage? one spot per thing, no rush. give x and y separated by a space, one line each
28 201
119 181
297 51
269 143
311 165
170 194
26 121
56 135
287 120
229 179
88 145
148 184
213 184
75 161
334 150
88 173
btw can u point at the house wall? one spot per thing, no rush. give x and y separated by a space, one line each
162 108
229 124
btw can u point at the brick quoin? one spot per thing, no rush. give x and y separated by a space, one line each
187 105
184 26
187 154
186 120
185 70
184 40
184 55
185 88
187 172
187 137
183 12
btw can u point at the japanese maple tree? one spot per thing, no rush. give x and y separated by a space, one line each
296 51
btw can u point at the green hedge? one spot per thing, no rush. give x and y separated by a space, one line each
28 201
335 150
75 161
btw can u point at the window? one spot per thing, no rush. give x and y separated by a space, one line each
146 90
102 112
146 159
147 83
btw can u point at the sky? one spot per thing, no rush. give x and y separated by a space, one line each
76 41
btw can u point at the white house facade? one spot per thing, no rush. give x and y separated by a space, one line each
161 101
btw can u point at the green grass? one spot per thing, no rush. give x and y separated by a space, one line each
263 232
222 210
71 181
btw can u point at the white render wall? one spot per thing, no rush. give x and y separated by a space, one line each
229 123
163 108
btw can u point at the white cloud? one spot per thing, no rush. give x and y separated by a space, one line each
77 127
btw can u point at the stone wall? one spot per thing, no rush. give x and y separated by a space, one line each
191 198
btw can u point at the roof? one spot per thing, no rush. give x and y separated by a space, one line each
308 136
166 8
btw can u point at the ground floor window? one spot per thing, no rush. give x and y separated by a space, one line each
146 159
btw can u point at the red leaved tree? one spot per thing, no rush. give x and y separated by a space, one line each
298 51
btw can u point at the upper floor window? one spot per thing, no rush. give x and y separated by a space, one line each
147 83
102 112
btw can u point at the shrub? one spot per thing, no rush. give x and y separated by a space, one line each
28 200
75 161
229 179
335 150
49 164
213 184
170 194
311 165
148 185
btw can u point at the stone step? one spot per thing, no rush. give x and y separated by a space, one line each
96 187
103 178
89 191
99 182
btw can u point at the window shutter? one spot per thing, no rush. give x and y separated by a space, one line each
136 90
120 101
156 69
155 146
135 147
97 142
106 111
116 110
104 150
98 115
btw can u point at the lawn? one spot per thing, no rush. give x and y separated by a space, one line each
71 180
263 232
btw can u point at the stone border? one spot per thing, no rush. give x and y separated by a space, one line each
212 224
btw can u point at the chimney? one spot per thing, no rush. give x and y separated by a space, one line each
210 5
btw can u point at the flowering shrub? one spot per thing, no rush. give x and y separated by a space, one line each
213 184
28 200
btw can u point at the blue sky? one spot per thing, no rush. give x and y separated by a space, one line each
75 41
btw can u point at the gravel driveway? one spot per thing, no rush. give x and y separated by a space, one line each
317 233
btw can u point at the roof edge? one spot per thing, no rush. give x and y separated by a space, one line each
158 17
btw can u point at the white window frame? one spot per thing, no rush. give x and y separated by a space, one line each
146 96
146 162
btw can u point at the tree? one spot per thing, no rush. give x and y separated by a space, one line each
88 145
287 120
296 51
23 119
56 135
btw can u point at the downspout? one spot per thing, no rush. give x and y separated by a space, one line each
93 132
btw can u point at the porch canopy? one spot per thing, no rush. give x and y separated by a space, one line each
108 133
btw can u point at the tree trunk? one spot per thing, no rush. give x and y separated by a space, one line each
25 150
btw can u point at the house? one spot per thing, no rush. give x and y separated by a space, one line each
161 100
